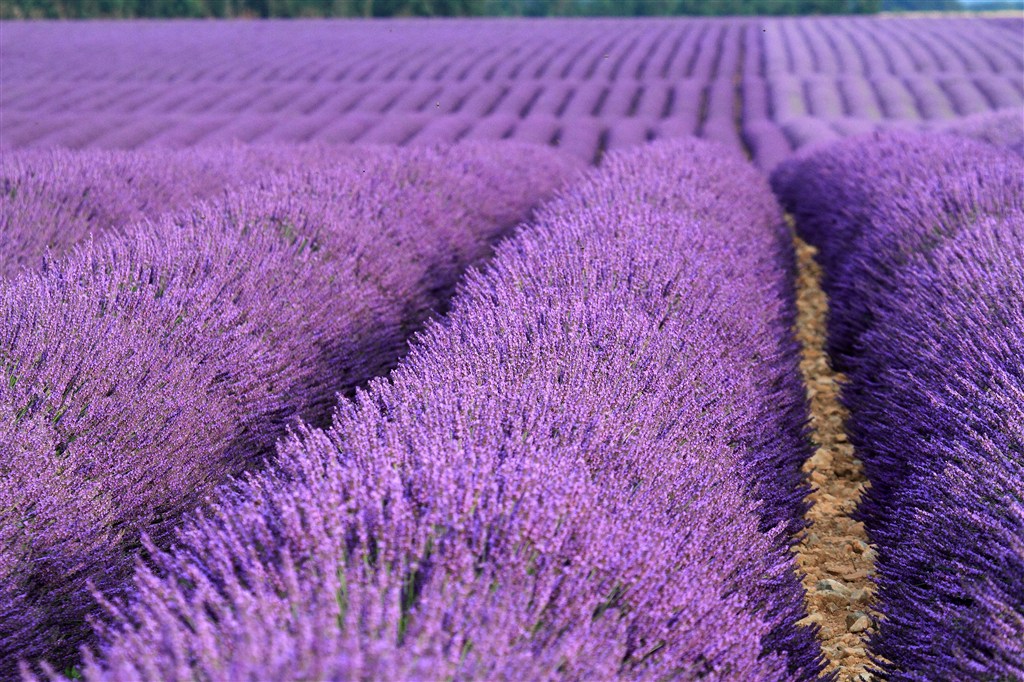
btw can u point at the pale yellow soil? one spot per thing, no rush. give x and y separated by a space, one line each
835 557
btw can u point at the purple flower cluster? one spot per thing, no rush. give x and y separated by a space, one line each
762 85
589 469
148 367
923 240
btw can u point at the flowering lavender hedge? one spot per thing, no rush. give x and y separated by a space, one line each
587 470
148 367
834 198
923 237
55 198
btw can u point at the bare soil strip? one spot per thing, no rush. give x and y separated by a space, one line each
834 556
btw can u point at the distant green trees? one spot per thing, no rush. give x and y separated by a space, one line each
77 9
83 9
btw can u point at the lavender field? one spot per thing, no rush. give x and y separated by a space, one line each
496 349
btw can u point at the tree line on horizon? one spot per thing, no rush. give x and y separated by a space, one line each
83 9
89 9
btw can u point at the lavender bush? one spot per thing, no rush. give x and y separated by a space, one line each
922 237
147 368
588 469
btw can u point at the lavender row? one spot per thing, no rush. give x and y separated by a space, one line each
586 138
653 98
779 96
897 98
55 199
921 240
354 51
147 368
880 46
850 229
586 470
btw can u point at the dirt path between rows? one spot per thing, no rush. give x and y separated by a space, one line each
835 558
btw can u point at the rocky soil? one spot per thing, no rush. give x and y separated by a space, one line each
836 559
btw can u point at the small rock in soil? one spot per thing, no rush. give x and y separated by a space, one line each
860 594
851 618
833 586
814 618
860 624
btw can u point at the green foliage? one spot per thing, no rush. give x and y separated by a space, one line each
82 9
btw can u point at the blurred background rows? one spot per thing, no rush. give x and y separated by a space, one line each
765 85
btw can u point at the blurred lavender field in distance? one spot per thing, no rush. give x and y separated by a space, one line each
765 86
